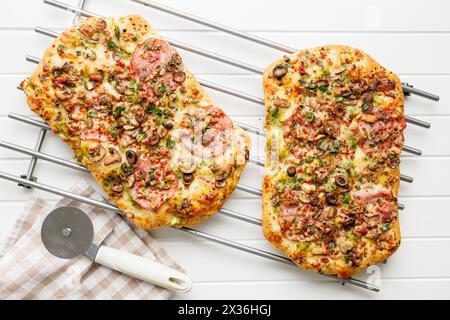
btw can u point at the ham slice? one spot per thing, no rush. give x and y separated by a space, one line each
369 194
150 55
152 197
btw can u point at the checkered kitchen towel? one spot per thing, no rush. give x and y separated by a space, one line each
29 271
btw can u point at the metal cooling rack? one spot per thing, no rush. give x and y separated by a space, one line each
29 181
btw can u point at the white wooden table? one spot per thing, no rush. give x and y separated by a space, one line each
411 38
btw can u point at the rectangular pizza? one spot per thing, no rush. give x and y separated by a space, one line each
121 97
334 121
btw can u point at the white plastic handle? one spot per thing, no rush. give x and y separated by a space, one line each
143 269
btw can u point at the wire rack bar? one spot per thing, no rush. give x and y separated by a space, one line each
77 16
204 235
33 161
245 35
221 58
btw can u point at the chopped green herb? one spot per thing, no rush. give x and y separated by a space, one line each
310 116
346 257
92 113
170 143
323 146
335 146
331 188
140 137
92 55
111 45
113 132
339 99
275 112
309 159
78 52
117 32
118 111
353 141
312 86
152 176
345 197
385 227
151 109
326 72
323 88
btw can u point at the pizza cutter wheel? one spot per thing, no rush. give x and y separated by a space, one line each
68 232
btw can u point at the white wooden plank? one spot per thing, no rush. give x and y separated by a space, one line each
415 258
375 16
309 290
395 51
306 16
19 14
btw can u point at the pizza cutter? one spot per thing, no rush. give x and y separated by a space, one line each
68 232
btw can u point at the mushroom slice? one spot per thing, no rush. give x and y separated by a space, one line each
179 77
89 85
154 138
205 122
131 181
187 165
222 171
220 183
66 67
96 152
112 156
303 197
63 94
126 140
208 136
117 187
162 132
